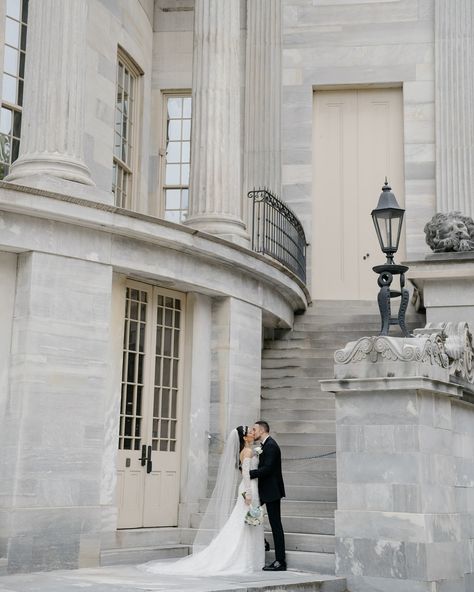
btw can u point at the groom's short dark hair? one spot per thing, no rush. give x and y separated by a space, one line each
264 425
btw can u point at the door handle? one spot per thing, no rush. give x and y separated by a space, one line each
149 464
143 457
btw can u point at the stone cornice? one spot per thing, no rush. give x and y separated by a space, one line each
111 220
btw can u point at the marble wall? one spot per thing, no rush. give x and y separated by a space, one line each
54 423
329 44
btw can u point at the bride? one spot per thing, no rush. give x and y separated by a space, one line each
230 537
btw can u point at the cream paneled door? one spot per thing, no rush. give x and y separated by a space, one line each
149 433
357 141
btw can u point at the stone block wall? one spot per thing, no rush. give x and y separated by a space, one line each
405 468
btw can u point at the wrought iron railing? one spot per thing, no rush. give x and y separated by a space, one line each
277 232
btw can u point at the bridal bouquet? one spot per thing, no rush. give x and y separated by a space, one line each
254 516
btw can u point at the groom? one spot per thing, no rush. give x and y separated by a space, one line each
271 489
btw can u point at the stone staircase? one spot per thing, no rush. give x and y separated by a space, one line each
302 420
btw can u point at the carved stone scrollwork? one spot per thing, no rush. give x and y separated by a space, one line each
425 348
459 348
444 347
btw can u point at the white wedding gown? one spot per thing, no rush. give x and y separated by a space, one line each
237 549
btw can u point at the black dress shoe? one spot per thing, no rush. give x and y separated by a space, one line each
275 566
267 545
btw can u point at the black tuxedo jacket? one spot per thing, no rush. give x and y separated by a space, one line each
270 480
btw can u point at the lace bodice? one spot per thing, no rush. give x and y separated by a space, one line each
250 485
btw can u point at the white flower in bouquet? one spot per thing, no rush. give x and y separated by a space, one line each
254 516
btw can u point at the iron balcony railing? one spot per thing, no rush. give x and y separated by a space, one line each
277 232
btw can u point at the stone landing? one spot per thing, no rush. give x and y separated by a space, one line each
130 579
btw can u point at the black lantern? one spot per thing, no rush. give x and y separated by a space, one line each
388 220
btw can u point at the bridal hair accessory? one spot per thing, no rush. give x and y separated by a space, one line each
254 516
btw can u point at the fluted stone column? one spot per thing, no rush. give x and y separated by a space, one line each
454 43
215 187
263 96
53 113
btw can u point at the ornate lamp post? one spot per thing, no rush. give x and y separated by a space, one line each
388 220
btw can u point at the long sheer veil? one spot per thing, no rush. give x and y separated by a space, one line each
223 497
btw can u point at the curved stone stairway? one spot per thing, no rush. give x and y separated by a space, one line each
302 420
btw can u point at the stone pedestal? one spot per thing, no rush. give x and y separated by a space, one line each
405 468
454 62
215 202
55 428
53 110
446 283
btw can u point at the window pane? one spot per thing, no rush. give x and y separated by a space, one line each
6 121
185 174
9 88
173 199
172 174
13 8
186 129
174 129
175 107
173 216
185 151
187 107
10 61
184 199
12 32
173 152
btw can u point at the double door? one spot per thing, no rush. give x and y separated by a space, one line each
357 141
150 407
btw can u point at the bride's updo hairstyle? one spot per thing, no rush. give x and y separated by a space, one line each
242 431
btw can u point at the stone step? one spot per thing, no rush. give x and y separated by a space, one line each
291 392
274 364
311 493
289 354
141 537
320 563
295 381
142 554
294 508
315 372
309 404
327 438
326 463
292 524
275 412
303 427
314 543
294 541
306 524
294 478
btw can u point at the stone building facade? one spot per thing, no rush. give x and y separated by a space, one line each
133 305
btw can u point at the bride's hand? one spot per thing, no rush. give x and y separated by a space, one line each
248 499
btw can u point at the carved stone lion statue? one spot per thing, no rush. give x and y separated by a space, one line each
450 232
